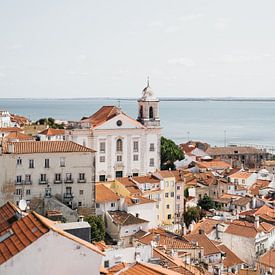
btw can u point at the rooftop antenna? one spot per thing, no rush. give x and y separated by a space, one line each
148 81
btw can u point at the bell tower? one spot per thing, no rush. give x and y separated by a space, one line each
148 105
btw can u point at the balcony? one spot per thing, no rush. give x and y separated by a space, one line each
28 182
69 181
67 197
81 180
57 181
43 181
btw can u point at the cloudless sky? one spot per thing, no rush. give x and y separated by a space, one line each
195 48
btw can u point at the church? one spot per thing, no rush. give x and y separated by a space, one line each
124 146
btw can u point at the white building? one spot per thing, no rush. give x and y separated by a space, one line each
124 146
5 120
38 169
52 134
32 244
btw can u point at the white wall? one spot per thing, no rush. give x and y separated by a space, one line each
53 254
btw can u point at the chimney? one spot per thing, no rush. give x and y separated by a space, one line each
81 218
257 222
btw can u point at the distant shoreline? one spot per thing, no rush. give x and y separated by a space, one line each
234 99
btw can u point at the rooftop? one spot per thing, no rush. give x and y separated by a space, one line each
231 258
241 175
124 218
268 259
137 200
52 132
232 150
104 194
32 147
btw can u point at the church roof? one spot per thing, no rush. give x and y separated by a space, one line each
148 94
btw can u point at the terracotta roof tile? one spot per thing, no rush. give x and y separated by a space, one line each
31 147
18 136
11 129
231 258
53 132
241 175
207 225
170 240
203 241
214 164
268 259
124 218
104 194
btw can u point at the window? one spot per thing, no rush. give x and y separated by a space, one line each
57 177
80 203
43 178
157 206
166 195
119 174
167 206
152 147
119 123
178 197
119 158
102 147
31 163
97 205
151 112
69 177
172 194
47 163
152 163
18 179
81 176
113 204
141 112
18 192
135 146
178 187
119 145
172 183
137 215
68 190
169 216
62 162
135 158
19 161
102 159
102 178
167 183
28 192
81 192
28 179
243 181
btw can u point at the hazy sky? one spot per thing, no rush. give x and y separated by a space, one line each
63 48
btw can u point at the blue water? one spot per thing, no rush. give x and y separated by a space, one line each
244 122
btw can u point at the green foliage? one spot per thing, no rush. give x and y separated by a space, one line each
170 152
97 228
50 122
186 193
206 203
192 214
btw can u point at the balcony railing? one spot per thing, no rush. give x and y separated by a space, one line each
68 197
43 181
69 181
81 180
57 181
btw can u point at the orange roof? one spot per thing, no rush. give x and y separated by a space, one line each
268 259
203 241
11 129
168 239
214 164
21 120
241 175
52 132
31 147
207 225
21 234
104 194
141 200
145 179
231 258
148 269
255 188
246 229
18 136
7 212
104 114
166 173
129 185
116 268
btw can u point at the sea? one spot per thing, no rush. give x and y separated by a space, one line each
218 123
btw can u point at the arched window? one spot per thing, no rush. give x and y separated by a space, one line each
141 112
119 145
151 112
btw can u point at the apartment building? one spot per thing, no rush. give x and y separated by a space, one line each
38 169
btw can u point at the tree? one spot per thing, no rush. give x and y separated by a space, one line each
206 203
97 228
170 152
192 214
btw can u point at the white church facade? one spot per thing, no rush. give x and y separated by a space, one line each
124 146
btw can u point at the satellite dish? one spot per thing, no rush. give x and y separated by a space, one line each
22 205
